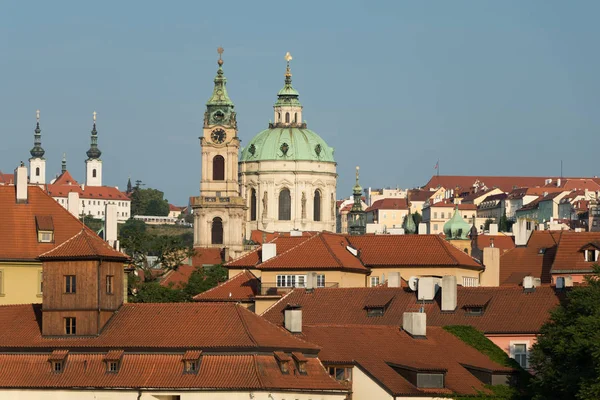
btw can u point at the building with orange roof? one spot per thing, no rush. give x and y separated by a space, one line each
31 223
386 213
83 341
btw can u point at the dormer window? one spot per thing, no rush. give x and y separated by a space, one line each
284 362
375 312
476 305
57 360
113 361
377 302
590 256
45 229
474 310
300 362
191 361
57 366
590 252
422 376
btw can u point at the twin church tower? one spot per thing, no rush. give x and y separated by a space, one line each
284 179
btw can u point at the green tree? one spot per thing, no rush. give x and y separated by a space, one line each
566 357
148 202
204 278
417 218
487 223
153 292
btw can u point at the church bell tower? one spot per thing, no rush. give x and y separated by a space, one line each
219 210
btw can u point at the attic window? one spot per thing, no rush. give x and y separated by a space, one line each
113 360
422 377
341 373
300 362
113 366
57 366
591 255
375 312
45 228
191 361
57 359
474 310
284 361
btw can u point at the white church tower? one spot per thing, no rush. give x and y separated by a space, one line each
93 165
37 162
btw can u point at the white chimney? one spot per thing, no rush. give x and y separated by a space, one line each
311 280
295 233
394 279
415 324
427 288
422 228
493 229
21 183
568 281
73 203
110 225
449 293
528 283
269 250
292 318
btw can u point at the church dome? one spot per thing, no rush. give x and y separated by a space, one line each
287 144
457 227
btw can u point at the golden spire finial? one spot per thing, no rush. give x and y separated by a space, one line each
220 51
288 58
357 168
94 116
37 115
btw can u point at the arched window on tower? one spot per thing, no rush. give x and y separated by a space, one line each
278 117
295 118
287 117
317 206
285 205
253 205
37 171
218 168
94 173
217 231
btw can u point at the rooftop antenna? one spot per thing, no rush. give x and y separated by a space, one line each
561 169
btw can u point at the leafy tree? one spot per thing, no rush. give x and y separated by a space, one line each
504 225
566 357
92 223
417 218
153 292
148 202
204 278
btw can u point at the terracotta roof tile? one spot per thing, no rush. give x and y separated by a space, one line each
203 257
65 184
509 310
535 259
389 204
410 250
569 255
503 242
65 179
18 231
242 287
376 349
324 251
44 222
505 183
419 195
84 245
250 260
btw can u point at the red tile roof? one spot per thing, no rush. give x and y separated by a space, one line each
242 287
419 195
204 256
65 179
503 242
324 251
175 208
535 259
250 260
18 233
6 179
375 349
389 204
509 310
410 250
65 184
207 256
86 245
450 204
505 183
220 372
569 255
260 237
206 326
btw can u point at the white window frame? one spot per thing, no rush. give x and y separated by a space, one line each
321 281
469 281
513 353
291 281
374 281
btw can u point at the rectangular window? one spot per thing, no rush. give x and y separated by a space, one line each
70 284
470 281
443 216
341 373
190 367
57 366
45 236
320 280
70 326
435 215
590 255
109 284
40 282
301 281
435 227
113 366
1 282
374 281
520 354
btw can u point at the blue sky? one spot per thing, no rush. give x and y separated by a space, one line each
488 87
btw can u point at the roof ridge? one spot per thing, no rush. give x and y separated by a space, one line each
62 244
223 283
245 325
444 245
291 248
277 302
256 369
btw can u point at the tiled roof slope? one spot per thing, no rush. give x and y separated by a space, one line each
162 371
410 250
242 287
250 260
389 204
535 259
65 184
419 195
65 179
205 326
260 237
324 251
6 179
503 242
206 256
84 246
373 348
569 257
18 234
505 183
509 309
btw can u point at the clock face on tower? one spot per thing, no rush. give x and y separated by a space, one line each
218 136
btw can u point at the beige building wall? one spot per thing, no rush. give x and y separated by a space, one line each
391 218
20 283
343 279
407 272
365 388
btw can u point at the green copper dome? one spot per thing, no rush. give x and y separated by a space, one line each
457 227
288 143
